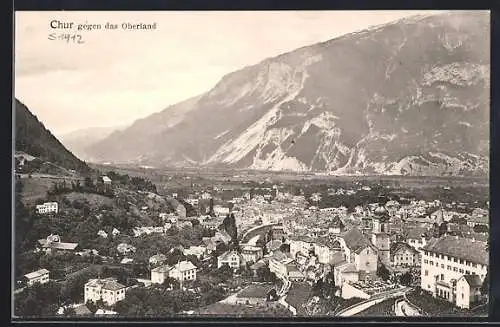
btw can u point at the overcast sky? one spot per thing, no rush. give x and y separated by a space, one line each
118 76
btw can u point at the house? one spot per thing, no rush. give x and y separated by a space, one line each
359 250
279 264
108 290
126 261
336 226
182 271
251 253
221 211
416 236
40 276
345 272
106 180
157 259
294 274
273 245
211 223
404 255
206 196
222 236
475 220
468 291
197 251
124 248
105 313
446 260
47 207
277 232
115 232
232 258
102 233
53 243
210 244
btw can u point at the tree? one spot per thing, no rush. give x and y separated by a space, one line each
485 287
383 272
329 284
443 228
317 288
405 279
224 272
458 220
480 228
170 282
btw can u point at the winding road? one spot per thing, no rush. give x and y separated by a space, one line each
361 306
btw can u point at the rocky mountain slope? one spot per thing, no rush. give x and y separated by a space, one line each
410 97
34 140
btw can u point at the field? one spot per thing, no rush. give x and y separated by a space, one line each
95 200
35 189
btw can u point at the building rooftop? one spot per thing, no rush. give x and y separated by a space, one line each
36 274
355 240
107 284
415 233
460 247
225 256
184 266
395 247
472 280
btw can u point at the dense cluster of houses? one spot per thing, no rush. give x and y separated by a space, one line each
306 243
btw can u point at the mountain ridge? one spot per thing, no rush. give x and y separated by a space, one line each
34 139
332 106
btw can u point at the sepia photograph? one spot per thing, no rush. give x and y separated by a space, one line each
250 164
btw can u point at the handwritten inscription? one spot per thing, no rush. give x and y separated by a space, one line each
65 37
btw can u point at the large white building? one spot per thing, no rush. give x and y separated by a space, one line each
40 276
446 260
109 290
47 207
182 271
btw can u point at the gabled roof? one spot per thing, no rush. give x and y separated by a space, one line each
82 310
472 280
415 233
337 258
225 256
281 256
57 245
158 257
355 240
184 266
161 269
273 245
395 247
348 268
36 274
107 284
460 247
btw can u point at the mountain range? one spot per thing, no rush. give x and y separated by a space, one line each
406 98
79 140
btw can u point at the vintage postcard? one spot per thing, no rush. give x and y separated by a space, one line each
251 164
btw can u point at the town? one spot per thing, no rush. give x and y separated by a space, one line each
113 245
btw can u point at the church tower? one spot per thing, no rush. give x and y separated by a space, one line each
380 233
